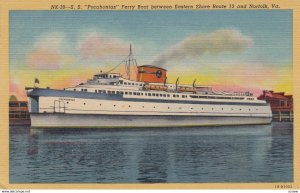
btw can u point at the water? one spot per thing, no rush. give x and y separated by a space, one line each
261 153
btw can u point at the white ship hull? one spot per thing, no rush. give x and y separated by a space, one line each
60 108
61 120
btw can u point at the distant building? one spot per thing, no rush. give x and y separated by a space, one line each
281 105
18 113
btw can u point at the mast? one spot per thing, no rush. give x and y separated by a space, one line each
130 60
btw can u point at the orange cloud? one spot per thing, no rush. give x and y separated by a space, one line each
47 52
44 59
96 46
16 89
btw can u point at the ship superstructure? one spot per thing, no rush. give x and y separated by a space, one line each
111 100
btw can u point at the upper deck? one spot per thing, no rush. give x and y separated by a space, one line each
114 83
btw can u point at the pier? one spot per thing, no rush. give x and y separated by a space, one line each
18 113
281 105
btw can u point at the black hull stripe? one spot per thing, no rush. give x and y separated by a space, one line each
117 97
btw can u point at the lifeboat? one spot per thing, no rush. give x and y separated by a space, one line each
155 87
185 89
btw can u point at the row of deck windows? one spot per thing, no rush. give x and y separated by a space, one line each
130 83
165 95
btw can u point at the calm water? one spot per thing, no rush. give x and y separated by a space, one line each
204 154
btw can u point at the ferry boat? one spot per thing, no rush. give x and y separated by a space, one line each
112 100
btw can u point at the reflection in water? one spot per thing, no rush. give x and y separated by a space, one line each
207 154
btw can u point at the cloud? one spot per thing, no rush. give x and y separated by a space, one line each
224 40
16 89
98 46
47 53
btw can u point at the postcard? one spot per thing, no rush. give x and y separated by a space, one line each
149 95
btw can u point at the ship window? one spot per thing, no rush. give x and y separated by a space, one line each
164 95
114 105
115 76
174 95
83 103
121 92
113 92
109 92
126 92
118 92
13 105
136 84
23 104
95 91
134 93
74 89
142 94
130 93
168 107
153 94
168 95
85 90
156 95
104 91
141 84
160 95
125 83
121 81
138 93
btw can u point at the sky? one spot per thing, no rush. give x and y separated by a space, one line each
230 50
